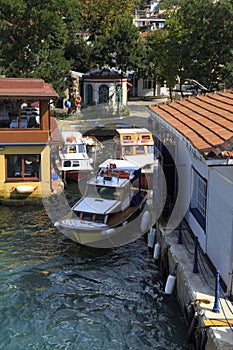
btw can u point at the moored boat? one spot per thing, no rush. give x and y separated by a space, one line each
113 200
74 162
137 145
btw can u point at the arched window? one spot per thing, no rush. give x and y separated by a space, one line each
89 94
103 94
118 94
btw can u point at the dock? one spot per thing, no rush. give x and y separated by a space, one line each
195 292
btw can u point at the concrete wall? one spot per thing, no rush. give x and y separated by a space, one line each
220 219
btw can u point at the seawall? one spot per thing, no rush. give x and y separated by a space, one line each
195 290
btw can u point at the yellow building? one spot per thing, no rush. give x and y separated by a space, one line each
25 132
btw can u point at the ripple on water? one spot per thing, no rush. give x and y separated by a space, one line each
58 295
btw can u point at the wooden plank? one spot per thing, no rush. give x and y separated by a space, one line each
218 323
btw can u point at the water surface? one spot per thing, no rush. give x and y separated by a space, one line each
58 295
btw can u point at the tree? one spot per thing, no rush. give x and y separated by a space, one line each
34 36
124 40
206 35
99 16
152 68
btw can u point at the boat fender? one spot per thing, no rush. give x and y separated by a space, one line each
171 280
157 249
151 237
146 221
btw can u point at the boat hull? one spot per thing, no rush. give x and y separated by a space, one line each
76 175
105 236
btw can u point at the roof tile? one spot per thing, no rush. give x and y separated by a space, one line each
26 88
205 120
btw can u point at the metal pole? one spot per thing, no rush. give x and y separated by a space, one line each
195 266
216 307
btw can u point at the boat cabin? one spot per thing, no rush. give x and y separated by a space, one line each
73 156
137 145
133 142
115 189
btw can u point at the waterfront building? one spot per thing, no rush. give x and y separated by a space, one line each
196 138
25 130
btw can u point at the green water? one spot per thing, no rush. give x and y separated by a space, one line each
58 295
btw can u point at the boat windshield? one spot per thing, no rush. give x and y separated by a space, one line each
81 148
78 148
105 192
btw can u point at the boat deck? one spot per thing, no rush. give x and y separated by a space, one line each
126 214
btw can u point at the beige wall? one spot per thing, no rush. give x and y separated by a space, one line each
42 188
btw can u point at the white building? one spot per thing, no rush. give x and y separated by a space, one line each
105 85
198 133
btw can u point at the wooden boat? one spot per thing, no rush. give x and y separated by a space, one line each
113 200
137 145
74 161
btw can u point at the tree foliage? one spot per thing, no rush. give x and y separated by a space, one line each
39 39
34 35
204 38
196 43
98 16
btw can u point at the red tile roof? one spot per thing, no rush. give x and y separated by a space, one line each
26 88
205 120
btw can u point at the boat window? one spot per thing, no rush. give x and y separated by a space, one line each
127 138
128 149
81 148
150 149
99 218
145 138
87 216
108 192
72 149
140 150
23 167
104 192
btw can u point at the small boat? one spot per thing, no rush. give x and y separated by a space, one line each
74 161
112 201
137 145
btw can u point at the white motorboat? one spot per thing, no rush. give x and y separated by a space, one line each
74 161
113 200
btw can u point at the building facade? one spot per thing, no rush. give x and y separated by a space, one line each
105 86
198 134
25 132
